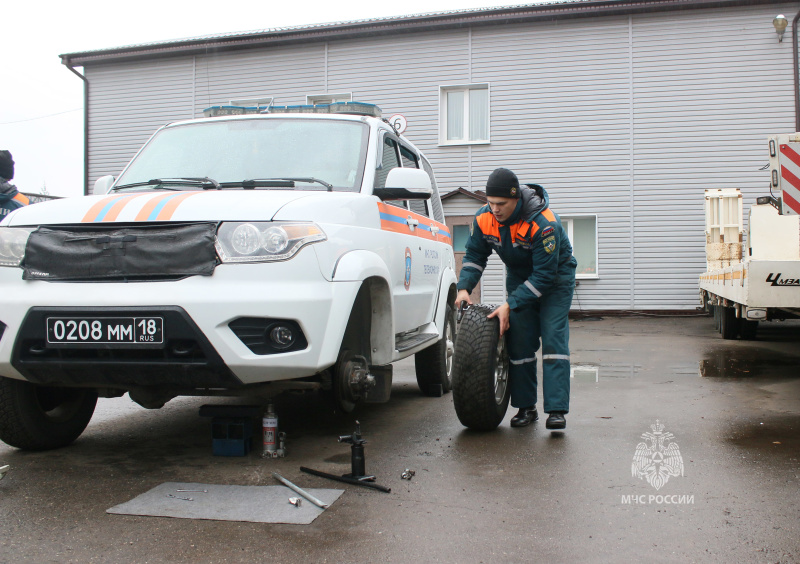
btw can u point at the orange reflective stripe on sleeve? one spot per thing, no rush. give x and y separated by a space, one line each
22 199
548 214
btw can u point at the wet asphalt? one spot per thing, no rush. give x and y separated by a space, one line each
511 495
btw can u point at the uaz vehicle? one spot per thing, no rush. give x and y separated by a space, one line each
235 255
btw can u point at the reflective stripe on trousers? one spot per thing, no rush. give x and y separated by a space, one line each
546 320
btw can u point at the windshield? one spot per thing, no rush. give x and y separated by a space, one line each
231 151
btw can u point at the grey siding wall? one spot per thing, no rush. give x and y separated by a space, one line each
628 118
127 103
702 115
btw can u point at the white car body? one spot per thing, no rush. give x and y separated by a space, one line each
403 262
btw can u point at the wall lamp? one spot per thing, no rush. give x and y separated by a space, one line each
780 24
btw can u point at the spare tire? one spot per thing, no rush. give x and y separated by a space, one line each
480 373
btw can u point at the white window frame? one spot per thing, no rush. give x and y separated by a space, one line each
568 219
466 88
313 99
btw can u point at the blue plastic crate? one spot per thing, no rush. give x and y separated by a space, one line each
231 436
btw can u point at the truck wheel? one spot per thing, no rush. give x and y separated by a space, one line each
748 329
434 365
728 323
480 376
40 417
715 312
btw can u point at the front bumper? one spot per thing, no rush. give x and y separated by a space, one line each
197 309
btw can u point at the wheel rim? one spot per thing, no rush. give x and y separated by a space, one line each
500 371
449 348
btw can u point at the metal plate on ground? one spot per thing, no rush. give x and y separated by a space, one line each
255 504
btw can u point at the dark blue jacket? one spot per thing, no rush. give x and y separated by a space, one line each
10 198
532 244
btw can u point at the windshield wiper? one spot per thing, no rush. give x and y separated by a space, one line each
203 182
310 179
282 182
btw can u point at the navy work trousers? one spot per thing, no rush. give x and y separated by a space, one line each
547 319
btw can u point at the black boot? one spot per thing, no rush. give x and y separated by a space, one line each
526 416
556 420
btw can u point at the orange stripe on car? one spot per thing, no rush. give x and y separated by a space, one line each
109 204
395 219
161 207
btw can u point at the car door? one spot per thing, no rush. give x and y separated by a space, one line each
411 256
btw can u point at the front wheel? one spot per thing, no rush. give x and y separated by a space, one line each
480 377
434 365
43 417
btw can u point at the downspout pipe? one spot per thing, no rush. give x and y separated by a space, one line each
796 73
68 64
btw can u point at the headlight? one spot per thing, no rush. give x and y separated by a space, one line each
12 245
264 241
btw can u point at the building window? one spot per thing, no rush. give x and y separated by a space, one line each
582 232
314 99
464 114
460 238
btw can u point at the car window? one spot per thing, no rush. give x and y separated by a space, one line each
409 158
389 160
434 203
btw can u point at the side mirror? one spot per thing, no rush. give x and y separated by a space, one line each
103 184
406 184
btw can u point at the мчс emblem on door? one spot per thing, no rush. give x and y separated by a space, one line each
407 281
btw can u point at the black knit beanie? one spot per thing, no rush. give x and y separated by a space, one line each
6 165
502 183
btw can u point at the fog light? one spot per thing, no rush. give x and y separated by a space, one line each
282 336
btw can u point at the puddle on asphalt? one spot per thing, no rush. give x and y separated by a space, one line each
750 363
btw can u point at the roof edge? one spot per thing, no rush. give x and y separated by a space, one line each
394 25
476 195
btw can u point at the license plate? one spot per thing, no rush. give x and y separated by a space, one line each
105 330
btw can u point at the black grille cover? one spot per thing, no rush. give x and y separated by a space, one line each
120 253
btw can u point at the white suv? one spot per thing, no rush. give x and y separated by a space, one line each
234 255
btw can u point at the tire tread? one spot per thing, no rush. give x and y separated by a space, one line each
473 371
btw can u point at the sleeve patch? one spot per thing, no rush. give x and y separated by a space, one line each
547 231
549 244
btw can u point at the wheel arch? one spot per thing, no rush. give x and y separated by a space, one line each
447 295
371 313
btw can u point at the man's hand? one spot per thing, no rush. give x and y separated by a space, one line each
462 296
502 314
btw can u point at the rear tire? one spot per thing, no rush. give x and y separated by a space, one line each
748 329
728 323
42 417
480 377
434 365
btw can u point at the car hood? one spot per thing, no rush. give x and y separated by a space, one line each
210 205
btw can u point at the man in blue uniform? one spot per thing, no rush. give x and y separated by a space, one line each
10 198
518 225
